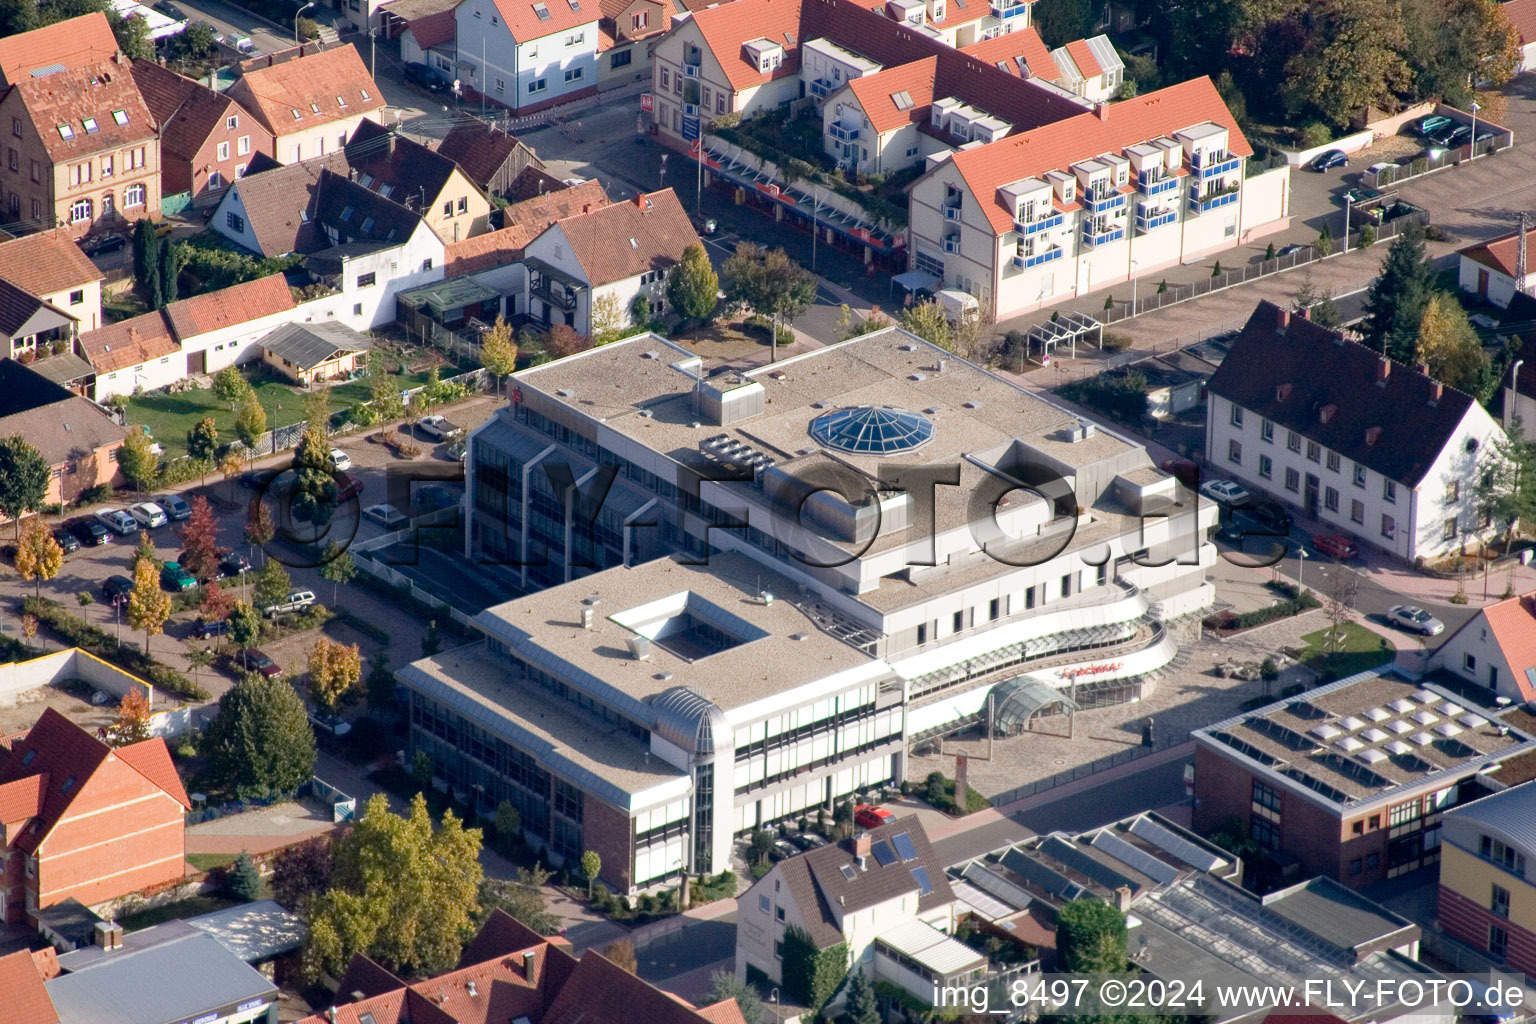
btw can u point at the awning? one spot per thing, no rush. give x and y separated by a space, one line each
926 945
916 280
1016 700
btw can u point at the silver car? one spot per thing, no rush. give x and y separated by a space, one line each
1415 620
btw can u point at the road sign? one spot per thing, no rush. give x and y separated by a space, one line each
647 102
690 128
693 150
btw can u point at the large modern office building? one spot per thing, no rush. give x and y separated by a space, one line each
745 592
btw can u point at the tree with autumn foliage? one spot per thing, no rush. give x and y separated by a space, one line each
149 606
565 340
259 528
200 541
39 556
132 724
498 352
217 602
335 670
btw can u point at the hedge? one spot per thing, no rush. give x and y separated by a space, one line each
80 633
1259 616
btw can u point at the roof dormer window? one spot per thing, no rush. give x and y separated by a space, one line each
314 108
366 97
542 10
29 757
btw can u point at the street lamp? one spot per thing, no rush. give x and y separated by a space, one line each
663 173
815 226
1513 410
296 14
773 997
1134 266
1301 565
1349 198
1472 155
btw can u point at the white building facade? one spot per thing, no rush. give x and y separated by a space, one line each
527 56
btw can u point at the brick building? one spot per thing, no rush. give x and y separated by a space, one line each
1351 779
1487 891
81 820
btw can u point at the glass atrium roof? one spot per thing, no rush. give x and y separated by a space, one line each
872 430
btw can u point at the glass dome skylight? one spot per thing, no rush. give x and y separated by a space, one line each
872 430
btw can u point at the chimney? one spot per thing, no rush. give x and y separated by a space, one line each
469 987
1383 369
530 968
1421 368
1123 899
587 615
1436 389
1283 391
330 1015
1102 110
862 862
1372 435
640 200
1305 312
1327 412
1282 318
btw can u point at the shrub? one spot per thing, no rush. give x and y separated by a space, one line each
95 495
1278 610
1117 342
52 508
1314 134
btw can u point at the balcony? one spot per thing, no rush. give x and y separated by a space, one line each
1102 200
1218 164
1033 227
1023 262
1102 235
1157 186
842 134
821 88
1004 9
1147 219
1211 202
553 294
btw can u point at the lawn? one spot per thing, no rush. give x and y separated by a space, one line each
1360 650
191 907
209 861
168 417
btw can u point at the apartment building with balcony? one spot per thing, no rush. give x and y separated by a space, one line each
1086 202
767 541
528 54
1369 447
1487 889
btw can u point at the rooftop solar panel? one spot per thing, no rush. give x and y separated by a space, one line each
904 847
883 853
924 885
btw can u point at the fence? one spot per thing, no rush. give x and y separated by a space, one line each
1435 160
1083 771
368 561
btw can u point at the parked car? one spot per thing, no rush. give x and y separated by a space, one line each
175 506
149 515
298 600
1415 620
870 816
1430 124
391 517
205 629
174 577
439 428
1328 160
808 841
255 661
1182 470
118 521
1458 136
1270 514
1228 493
1286 250
421 76
434 497
233 564
340 460
170 10
89 530
100 245
1335 545
347 487
456 451
116 589
66 541
783 849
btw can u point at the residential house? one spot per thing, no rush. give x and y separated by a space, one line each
427 30
428 182
31 326
1488 876
1351 779
627 31
1522 16
50 266
883 894
1021 52
82 820
219 329
1489 270
509 972
269 211
259 933
495 257
1364 445
955 24
1091 200
527 54
70 44
1496 648
311 353
77 439
84 150
133 355
594 265
207 140
489 156
311 101
1090 68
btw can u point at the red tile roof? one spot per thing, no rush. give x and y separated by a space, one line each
1497 253
229 306
624 240
187 111
335 81
128 342
47 961
1024 42
876 93
73 43
727 27
61 750
22 799
524 222
1026 154
1513 624
46 262
93 91
25 996
152 759
600 992
1083 57
1522 15
524 21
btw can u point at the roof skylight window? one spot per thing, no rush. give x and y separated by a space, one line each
91 127
66 132
120 116
871 430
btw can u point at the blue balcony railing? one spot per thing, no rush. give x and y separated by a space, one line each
1149 219
1103 237
1005 9
1102 200
1218 165
1198 205
820 88
1031 227
1157 186
843 134
1023 262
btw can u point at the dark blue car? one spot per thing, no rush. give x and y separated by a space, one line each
1329 160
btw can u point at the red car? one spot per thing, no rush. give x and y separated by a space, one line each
870 816
253 660
1182 470
1335 546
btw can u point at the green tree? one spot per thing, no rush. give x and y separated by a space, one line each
24 479
137 460
337 568
1090 938
1351 56
498 352
148 603
260 744
229 386
1452 43
509 824
693 287
1449 346
314 491
422 770
591 864
200 549
244 626
244 881
402 892
300 873
1319 307
144 551
259 528
1395 301
203 443
272 585
146 261
1505 488
927 321
381 683
199 658
811 975
132 36
250 420
522 897
861 1007
1059 22
17 16
39 556
1201 34
769 282
170 268
195 42
725 985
